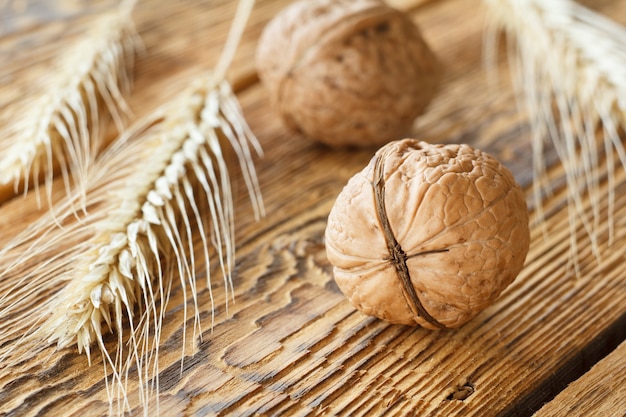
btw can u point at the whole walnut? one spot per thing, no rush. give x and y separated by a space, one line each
347 72
428 234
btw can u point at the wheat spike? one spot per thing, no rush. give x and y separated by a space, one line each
60 130
160 184
155 210
569 64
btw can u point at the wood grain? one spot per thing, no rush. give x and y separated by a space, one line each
290 343
601 391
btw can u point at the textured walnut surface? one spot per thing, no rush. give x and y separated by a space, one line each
428 234
347 72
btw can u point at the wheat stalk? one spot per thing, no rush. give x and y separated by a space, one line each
60 130
569 64
115 266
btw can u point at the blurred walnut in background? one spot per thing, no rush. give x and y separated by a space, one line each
347 72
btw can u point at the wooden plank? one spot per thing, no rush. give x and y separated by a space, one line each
600 392
291 344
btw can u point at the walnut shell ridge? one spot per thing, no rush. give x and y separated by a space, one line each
347 72
427 234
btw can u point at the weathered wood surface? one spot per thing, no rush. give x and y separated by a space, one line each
291 344
601 391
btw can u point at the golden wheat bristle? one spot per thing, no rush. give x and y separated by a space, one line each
119 274
60 131
568 64
112 267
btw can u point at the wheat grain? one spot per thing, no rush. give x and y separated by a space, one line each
137 235
569 64
60 130
112 268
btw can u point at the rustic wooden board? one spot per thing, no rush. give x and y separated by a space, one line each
291 344
601 391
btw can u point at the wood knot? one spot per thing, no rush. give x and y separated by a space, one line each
462 392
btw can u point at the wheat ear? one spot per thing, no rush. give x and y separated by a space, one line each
60 130
114 267
570 65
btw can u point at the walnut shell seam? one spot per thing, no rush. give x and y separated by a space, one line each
396 255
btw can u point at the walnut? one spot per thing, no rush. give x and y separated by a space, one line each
428 234
347 72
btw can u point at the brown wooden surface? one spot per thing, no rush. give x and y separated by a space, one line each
601 391
291 344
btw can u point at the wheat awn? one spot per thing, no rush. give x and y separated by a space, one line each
113 268
569 64
60 130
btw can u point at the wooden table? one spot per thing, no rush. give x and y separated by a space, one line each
291 344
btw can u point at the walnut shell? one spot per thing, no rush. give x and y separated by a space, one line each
428 234
347 72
